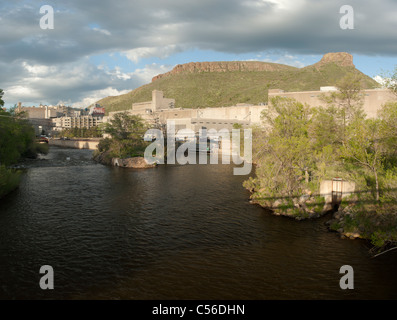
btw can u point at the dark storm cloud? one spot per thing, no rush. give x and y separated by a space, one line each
226 25
160 28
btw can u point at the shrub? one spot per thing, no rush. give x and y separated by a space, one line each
9 180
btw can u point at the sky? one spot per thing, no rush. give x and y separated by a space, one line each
91 49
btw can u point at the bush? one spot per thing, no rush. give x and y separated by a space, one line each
127 141
41 148
9 180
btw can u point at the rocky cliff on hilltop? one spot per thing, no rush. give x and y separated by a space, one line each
223 66
342 59
220 83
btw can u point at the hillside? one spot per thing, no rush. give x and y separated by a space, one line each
217 84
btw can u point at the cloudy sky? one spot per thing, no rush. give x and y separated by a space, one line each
99 48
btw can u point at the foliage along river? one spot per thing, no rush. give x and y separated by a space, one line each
173 232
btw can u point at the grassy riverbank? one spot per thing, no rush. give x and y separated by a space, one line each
9 180
375 222
17 142
299 147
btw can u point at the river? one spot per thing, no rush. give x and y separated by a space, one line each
172 232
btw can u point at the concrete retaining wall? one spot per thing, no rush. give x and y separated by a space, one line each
76 144
326 189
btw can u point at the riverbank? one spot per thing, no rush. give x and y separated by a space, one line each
189 228
9 180
133 162
357 217
10 176
91 144
376 223
308 205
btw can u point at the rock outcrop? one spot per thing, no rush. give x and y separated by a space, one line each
223 66
305 207
136 162
342 59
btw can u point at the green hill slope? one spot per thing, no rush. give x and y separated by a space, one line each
226 86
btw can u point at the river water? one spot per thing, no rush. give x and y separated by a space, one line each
172 232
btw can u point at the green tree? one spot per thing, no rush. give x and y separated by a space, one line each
282 150
17 140
347 101
364 147
125 126
325 132
388 115
1 97
127 136
390 81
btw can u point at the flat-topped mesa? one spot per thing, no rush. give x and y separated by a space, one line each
223 66
343 59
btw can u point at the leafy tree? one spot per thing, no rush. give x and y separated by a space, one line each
325 131
93 132
17 140
390 81
1 97
325 128
363 147
348 100
282 150
125 126
388 115
127 133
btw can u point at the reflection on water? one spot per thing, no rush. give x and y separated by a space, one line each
173 232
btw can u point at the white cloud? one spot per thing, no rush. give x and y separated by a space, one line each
103 31
146 74
380 80
77 83
37 69
21 92
287 59
384 80
96 95
137 54
290 5
55 65
117 73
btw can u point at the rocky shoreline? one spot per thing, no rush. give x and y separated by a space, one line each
373 223
339 222
133 162
305 207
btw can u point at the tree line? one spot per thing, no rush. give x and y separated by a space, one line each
125 137
17 141
299 146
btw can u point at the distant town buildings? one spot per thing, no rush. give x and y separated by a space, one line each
87 121
160 110
373 99
57 118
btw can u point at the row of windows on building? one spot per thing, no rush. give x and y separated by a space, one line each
77 122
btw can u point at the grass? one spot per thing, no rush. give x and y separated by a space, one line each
217 89
42 148
376 222
9 180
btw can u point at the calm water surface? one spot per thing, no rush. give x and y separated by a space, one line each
173 232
